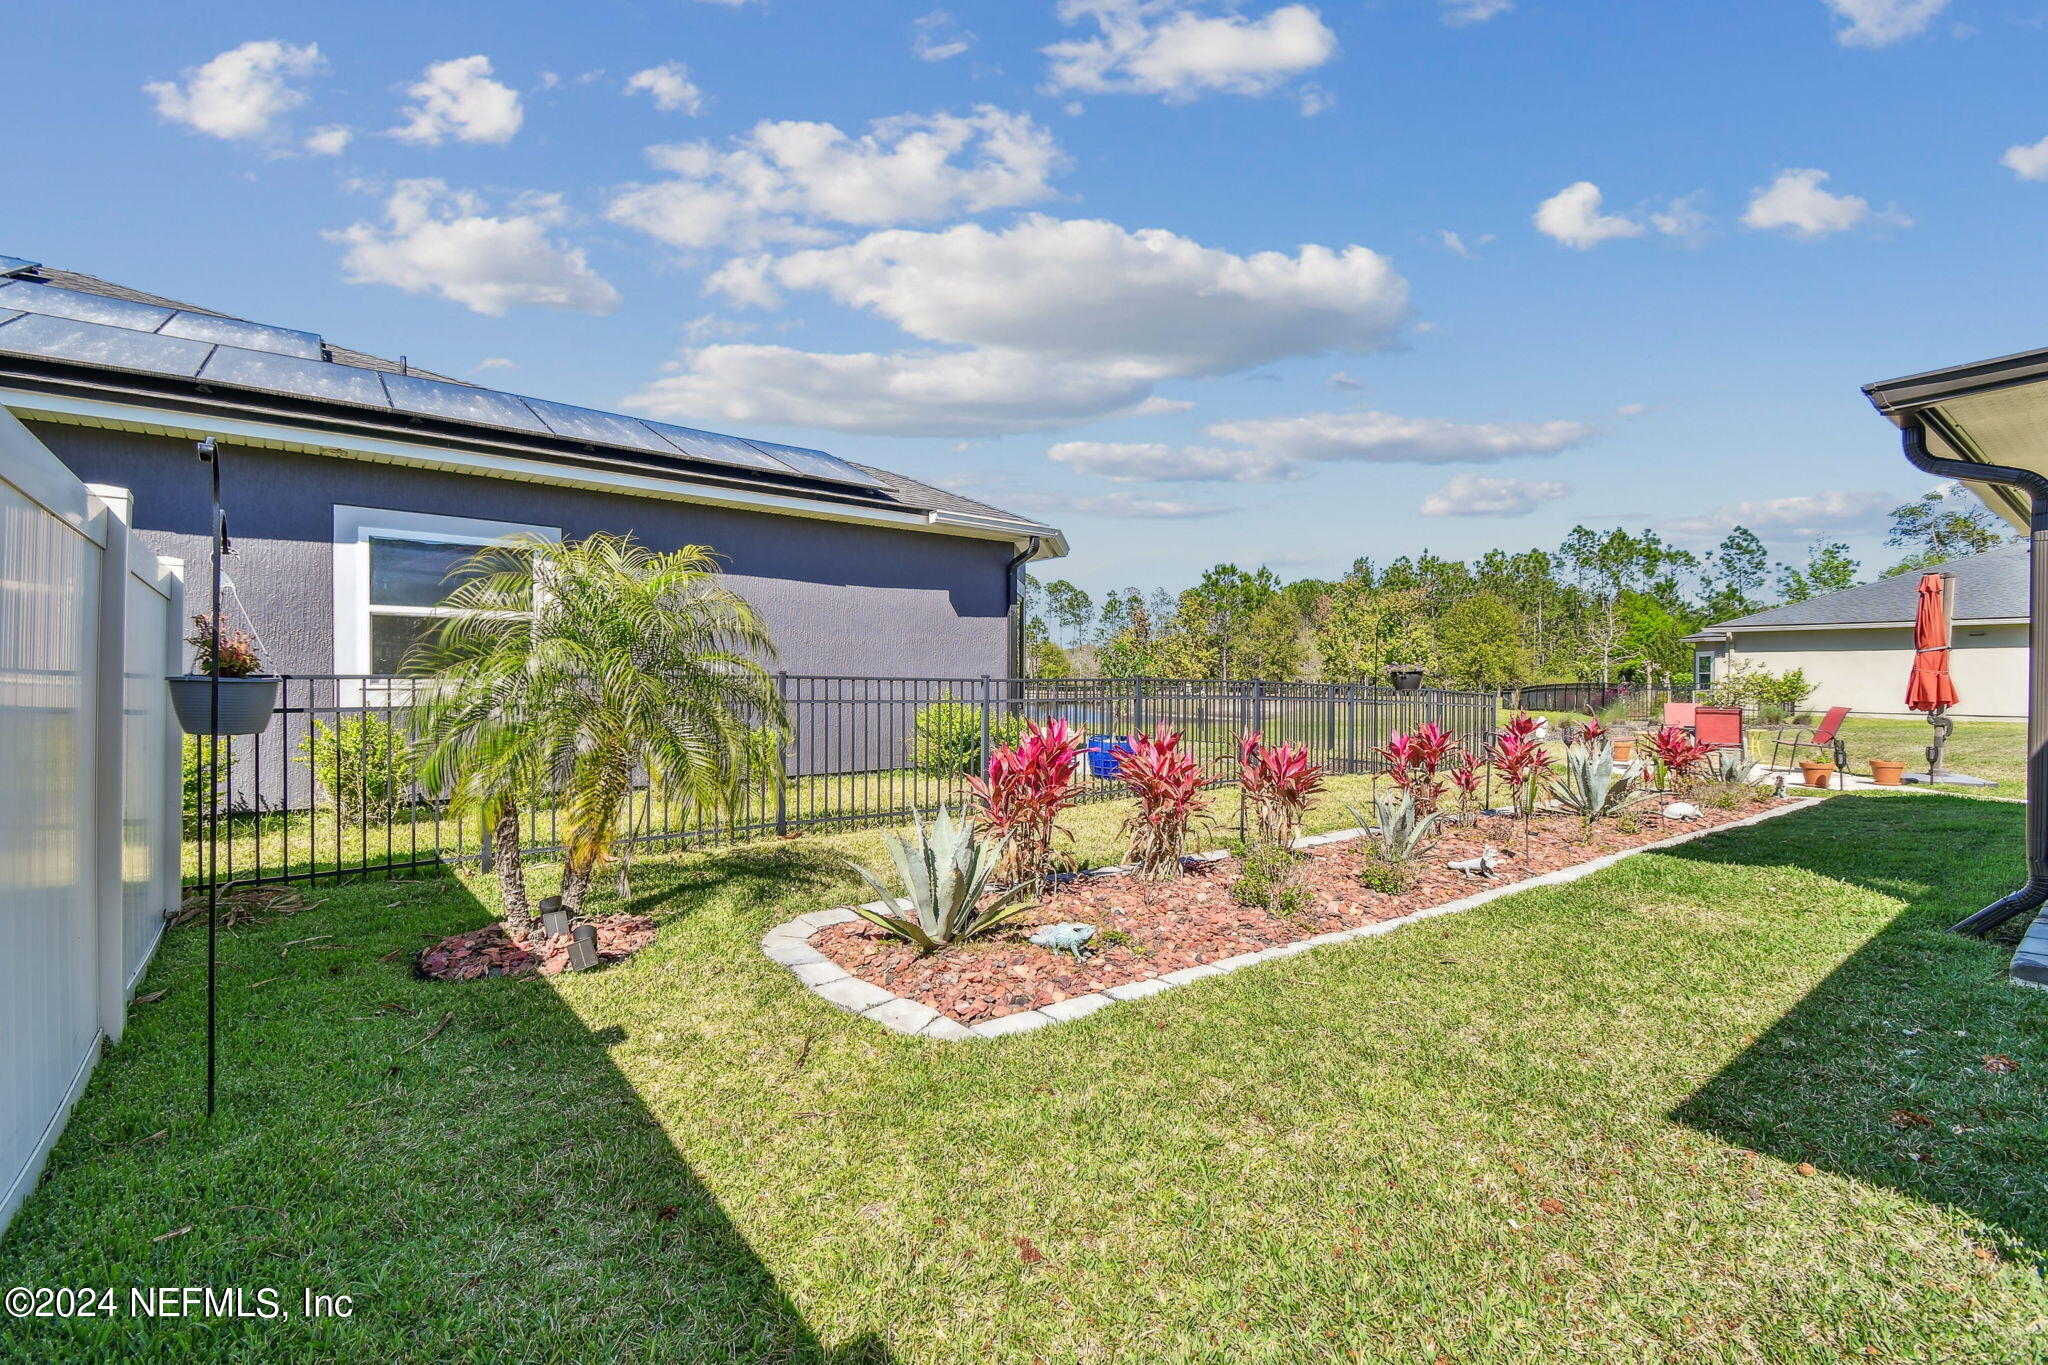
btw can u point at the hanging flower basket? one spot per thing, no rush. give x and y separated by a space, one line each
246 704
1405 677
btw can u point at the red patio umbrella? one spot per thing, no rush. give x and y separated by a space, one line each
1930 688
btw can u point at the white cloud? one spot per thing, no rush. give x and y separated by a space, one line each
2028 161
935 37
1148 303
1876 23
241 94
458 99
1120 506
1797 203
1265 450
1794 519
494 362
1631 409
1572 217
905 393
782 179
1473 495
1343 381
1682 218
1458 13
329 141
1172 49
671 87
435 240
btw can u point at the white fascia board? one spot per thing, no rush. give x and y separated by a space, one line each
1960 623
382 450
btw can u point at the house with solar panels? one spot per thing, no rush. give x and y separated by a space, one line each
353 483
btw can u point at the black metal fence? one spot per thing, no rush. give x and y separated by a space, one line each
328 789
1635 702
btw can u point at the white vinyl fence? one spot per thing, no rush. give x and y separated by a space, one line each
89 778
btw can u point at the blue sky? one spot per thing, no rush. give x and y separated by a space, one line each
1281 283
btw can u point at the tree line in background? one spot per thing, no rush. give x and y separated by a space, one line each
1607 605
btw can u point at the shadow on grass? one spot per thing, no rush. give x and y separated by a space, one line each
485 1185
756 872
1881 1071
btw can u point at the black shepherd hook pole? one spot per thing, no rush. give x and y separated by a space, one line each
210 457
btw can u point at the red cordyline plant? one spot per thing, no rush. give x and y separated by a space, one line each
1466 778
1279 784
1675 754
1167 781
1413 762
1521 762
1028 787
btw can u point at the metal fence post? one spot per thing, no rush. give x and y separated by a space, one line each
1138 705
987 700
1259 706
782 755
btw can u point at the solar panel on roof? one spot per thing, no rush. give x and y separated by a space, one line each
709 445
289 374
819 465
599 428
460 403
14 265
250 336
89 343
31 297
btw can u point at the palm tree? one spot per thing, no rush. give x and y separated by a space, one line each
578 668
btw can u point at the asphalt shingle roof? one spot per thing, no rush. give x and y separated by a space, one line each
1989 586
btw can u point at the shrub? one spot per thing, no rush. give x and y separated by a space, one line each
946 737
1167 782
944 877
1027 789
1752 685
1521 761
1413 761
1377 874
192 756
1675 755
1466 779
1279 783
1266 878
238 658
364 764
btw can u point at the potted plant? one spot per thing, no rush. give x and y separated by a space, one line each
1405 677
247 694
1887 772
1820 775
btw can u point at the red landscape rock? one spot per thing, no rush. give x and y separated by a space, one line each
489 952
1154 928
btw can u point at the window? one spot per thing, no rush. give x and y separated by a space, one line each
1702 669
392 573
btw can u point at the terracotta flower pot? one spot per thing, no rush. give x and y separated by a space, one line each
1624 750
1885 772
1817 774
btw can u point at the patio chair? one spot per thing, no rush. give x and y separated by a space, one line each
1720 727
1825 737
1680 713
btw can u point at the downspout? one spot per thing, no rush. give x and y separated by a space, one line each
1014 603
2034 894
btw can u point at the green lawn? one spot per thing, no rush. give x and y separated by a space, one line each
1982 748
1668 1113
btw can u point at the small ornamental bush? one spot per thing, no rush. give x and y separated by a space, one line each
1414 763
237 649
1279 784
1521 761
946 737
1167 782
1028 787
1466 780
1268 879
1676 755
364 764
1377 874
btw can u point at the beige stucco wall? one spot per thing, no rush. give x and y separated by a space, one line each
1866 669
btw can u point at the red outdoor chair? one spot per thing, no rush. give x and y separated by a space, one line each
1680 713
1823 737
1720 727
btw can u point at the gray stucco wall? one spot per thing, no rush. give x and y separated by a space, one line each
839 599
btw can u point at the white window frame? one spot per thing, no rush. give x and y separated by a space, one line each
1703 661
355 527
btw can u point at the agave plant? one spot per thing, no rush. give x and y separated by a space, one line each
1592 787
1404 832
945 873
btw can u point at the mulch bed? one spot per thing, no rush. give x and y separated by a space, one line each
490 952
1192 920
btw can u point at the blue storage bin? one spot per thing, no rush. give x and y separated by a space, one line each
1104 752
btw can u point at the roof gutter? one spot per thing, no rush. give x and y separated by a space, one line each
1013 581
2034 893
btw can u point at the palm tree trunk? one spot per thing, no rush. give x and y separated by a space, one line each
512 873
575 882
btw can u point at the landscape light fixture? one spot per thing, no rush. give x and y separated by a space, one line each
553 918
583 949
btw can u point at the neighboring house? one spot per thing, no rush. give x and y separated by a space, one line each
1856 646
352 483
